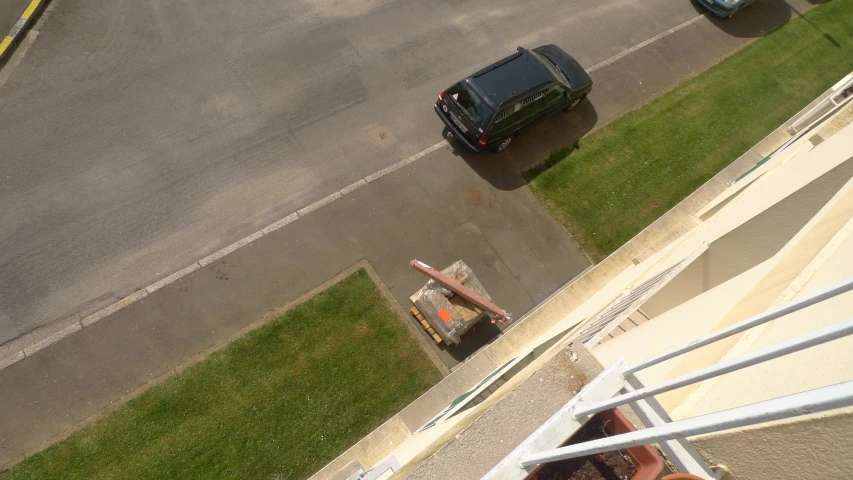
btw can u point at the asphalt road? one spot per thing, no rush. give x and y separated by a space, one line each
137 137
10 12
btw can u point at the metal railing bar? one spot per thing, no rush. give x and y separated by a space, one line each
820 104
812 401
554 431
817 297
678 451
811 339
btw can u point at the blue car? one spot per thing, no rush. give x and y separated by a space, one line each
724 8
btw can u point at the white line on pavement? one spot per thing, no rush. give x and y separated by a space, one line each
648 42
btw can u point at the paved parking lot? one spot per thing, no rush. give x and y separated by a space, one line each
140 137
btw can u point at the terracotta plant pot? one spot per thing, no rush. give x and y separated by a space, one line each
649 464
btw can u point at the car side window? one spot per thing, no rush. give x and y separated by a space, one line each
533 103
556 93
507 118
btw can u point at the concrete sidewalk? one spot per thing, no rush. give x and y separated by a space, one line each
441 208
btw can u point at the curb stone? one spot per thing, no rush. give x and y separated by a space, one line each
20 27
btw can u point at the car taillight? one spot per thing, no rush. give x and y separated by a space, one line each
482 141
441 96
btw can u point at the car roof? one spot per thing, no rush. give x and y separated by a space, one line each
512 76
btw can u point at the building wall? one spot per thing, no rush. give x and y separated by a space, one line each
814 257
771 291
815 367
812 447
686 322
751 243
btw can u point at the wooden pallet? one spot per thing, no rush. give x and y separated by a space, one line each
426 326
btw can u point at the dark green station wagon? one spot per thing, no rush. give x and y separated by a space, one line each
486 109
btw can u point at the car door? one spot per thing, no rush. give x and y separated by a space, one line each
507 121
556 99
533 106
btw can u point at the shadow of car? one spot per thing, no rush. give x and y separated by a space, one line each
504 170
761 18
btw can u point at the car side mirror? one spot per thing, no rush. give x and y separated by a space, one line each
519 48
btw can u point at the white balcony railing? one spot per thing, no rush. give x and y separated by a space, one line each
543 445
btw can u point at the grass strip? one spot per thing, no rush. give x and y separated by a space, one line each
280 402
617 181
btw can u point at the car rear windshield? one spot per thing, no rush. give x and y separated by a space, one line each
471 103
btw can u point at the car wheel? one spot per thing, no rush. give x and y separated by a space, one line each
734 12
574 103
502 146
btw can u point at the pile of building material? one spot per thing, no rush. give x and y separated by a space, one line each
447 314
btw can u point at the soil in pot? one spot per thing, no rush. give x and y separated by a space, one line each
615 465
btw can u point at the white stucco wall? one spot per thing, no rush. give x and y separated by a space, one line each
811 447
678 326
816 367
805 166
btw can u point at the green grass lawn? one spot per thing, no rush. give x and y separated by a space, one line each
621 178
281 402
